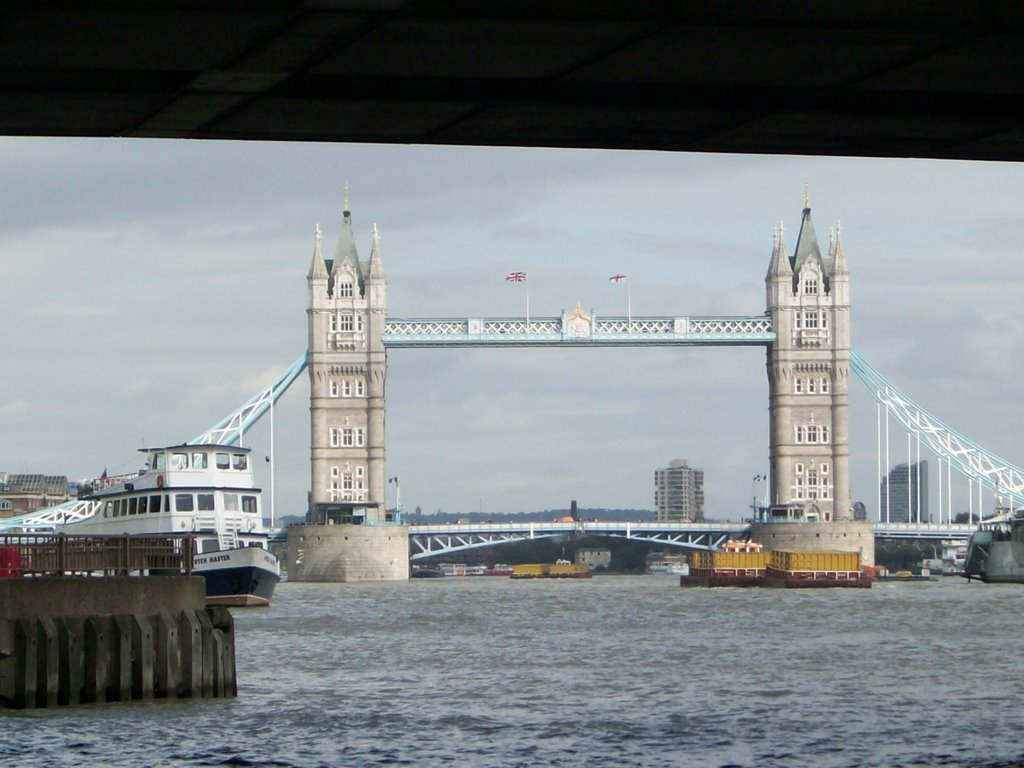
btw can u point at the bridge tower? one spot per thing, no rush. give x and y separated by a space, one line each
348 534
347 368
808 299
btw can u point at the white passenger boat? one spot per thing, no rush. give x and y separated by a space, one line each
205 490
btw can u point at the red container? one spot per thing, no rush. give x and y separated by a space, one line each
10 561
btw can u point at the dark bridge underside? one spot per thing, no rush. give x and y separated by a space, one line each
941 79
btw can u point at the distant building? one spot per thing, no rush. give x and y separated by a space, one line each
904 496
21 494
594 557
679 493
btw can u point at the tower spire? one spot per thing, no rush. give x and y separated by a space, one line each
346 254
376 268
317 268
806 242
838 265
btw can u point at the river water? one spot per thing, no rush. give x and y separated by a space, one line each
611 671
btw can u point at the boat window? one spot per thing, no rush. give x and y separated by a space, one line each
143 504
154 503
200 461
205 502
223 461
230 502
133 506
159 461
238 461
179 461
183 502
209 545
117 507
249 504
108 509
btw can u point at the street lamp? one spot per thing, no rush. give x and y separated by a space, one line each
398 498
753 489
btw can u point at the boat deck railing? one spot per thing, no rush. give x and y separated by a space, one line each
29 554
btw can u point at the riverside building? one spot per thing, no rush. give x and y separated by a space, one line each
679 493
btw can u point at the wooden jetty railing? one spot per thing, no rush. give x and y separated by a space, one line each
30 554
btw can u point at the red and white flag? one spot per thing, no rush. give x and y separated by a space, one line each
515 277
617 278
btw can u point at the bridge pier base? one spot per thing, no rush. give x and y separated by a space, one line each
348 553
840 537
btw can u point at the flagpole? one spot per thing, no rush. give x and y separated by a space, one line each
629 305
527 281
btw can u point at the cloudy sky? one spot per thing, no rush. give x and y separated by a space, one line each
151 287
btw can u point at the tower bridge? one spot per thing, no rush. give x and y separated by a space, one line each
805 331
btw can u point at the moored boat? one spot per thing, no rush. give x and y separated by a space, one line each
995 552
205 490
671 567
426 572
499 569
748 564
562 569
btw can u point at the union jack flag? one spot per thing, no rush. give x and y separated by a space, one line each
515 277
617 278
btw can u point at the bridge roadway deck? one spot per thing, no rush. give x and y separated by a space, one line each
431 540
571 331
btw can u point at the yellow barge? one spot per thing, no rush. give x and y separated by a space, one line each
747 564
561 569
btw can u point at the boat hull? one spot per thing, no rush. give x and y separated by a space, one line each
994 559
245 576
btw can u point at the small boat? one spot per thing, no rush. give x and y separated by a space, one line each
499 569
426 572
924 575
205 490
671 567
461 569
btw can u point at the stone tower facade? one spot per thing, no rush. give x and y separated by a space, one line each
808 299
347 369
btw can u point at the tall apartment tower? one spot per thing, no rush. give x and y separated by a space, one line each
347 368
904 494
808 299
679 493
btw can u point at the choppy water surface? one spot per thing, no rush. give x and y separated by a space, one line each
614 671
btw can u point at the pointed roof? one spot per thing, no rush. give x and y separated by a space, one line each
779 264
839 265
806 242
317 269
345 253
376 268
